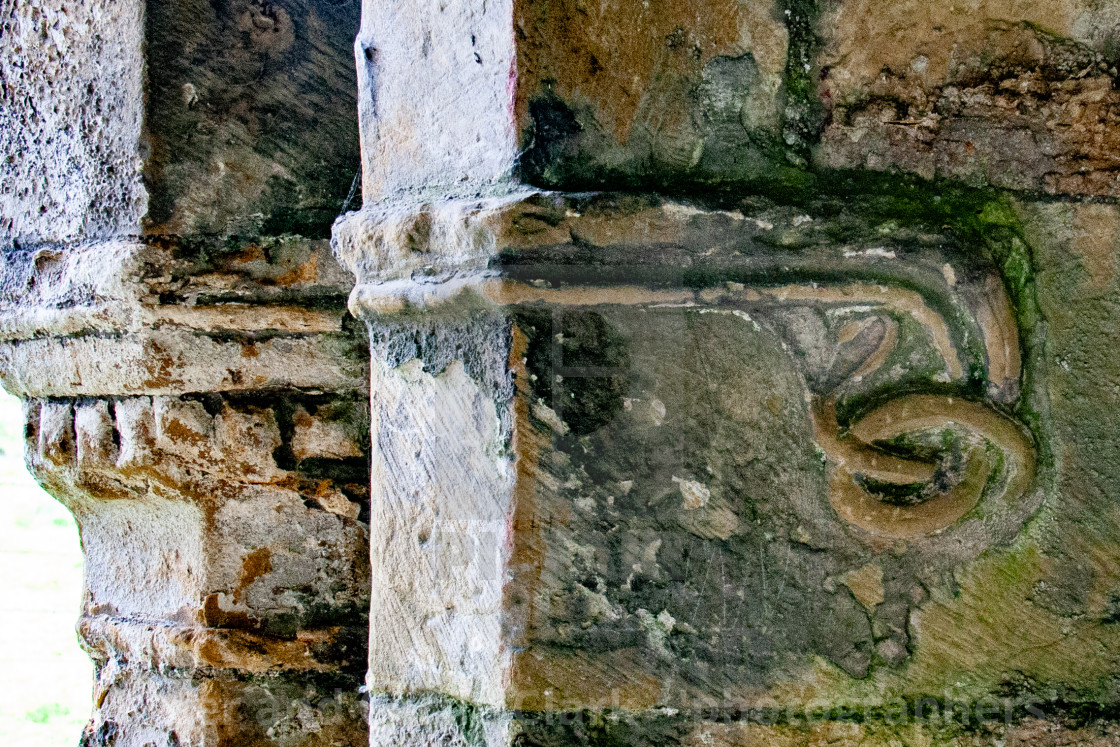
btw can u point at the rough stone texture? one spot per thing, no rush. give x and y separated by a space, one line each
674 530
812 442
233 562
196 392
693 523
172 318
222 503
1018 95
277 710
571 94
1032 732
70 115
627 91
191 116
460 54
442 483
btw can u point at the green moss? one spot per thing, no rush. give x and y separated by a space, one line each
983 220
905 720
923 369
998 460
804 113
469 721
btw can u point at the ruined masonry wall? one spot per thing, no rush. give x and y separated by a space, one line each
571 372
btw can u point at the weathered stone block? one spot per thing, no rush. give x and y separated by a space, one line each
567 93
279 710
221 502
638 93
171 172
71 104
1017 95
181 118
728 457
169 318
251 116
221 534
821 455
242 559
466 56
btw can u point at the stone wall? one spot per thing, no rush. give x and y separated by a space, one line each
696 372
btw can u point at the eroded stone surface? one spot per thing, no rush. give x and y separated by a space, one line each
278 710
460 138
1019 95
130 318
222 502
241 556
817 457
625 91
677 540
205 463
438 536
197 398
71 103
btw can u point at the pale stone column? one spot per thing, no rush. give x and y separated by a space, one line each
195 391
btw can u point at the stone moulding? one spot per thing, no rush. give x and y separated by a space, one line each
133 317
221 493
578 395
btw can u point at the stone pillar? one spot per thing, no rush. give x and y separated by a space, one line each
749 444
196 393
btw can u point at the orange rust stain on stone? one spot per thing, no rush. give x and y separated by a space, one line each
213 616
251 253
160 367
307 272
210 652
256 564
182 434
303 419
528 553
